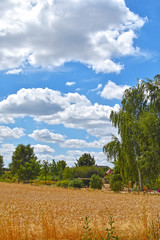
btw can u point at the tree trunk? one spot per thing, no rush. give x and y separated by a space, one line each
140 180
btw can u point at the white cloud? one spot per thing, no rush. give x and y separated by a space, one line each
14 71
46 157
33 102
8 133
72 155
91 32
72 110
70 83
44 135
113 91
6 151
79 143
45 149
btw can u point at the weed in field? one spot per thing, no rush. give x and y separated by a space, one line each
89 235
154 229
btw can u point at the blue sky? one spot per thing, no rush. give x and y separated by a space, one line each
64 65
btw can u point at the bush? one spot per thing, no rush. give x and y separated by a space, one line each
117 186
63 183
75 183
82 172
96 182
116 178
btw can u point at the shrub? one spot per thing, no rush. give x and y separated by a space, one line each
63 183
96 182
117 186
116 178
75 183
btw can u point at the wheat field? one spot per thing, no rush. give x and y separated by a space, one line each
41 212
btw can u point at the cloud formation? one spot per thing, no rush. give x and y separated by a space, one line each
79 143
72 155
8 133
72 110
45 149
44 135
113 91
50 33
6 151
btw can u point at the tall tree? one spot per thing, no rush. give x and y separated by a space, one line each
139 139
60 166
1 165
85 160
29 171
21 155
45 169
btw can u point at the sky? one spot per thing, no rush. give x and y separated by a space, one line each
64 65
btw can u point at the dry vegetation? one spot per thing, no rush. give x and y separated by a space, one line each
42 212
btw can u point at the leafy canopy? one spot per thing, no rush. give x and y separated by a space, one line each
85 160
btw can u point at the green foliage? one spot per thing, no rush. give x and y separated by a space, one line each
138 123
110 231
116 182
1 165
96 182
53 168
116 177
89 235
154 229
60 166
22 154
85 160
68 173
82 172
62 183
75 183
45 169
29 171
117 186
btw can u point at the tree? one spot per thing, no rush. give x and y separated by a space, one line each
53 167
85 160
1 165
22 154
139 139
30 170
45 169
60 166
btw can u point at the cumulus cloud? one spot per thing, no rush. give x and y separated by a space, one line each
8 133
79 143
39 102
113 91
44 135
6 151
72 155
91 32
43 152
70 83
45 149
72 110
33 102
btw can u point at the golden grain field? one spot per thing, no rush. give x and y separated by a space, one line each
41 212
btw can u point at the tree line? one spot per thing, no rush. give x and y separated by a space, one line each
26 167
